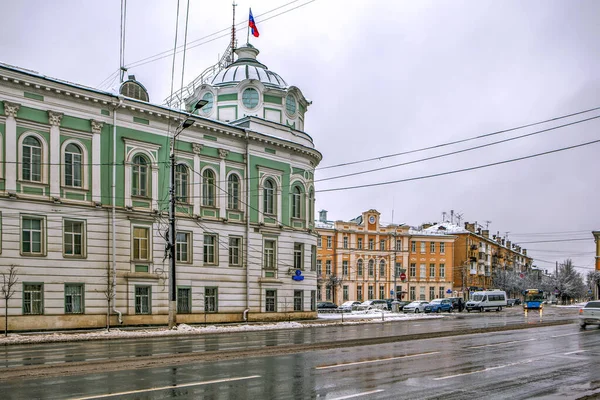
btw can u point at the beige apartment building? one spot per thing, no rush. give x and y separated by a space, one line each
364 259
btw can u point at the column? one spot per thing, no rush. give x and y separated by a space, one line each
54 119
197 186
222 187
96 160
10 149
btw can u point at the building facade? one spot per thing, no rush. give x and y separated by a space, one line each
85 190
363 259
477 256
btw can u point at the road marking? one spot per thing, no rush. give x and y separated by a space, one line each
498 344
101 396
376 360
567 334
483 370
575 352
359 394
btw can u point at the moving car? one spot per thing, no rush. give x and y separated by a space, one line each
511 302
349 305
326 305
372 304
415 307
439 305
590 314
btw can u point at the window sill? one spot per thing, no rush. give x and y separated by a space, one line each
33 254
75 257
141 198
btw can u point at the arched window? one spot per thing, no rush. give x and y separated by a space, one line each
208 188
269 197
32 160
139 176
73 167
296 202
233 192
371 267
359 267
382 268
182 179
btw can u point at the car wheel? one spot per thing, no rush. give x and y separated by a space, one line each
480 309
583 325
416 310
450 310
439 310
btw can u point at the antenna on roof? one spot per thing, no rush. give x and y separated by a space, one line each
459 217
443 216
487 224
451 216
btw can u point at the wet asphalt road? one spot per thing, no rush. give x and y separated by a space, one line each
545 363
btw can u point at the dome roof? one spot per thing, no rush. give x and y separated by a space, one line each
248 67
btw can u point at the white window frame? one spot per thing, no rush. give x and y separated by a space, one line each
148 240
42 232
83 237
206 259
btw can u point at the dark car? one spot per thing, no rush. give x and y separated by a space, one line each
326 305
458 304
517 302
401 304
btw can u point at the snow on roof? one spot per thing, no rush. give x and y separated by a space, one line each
324 225
446 227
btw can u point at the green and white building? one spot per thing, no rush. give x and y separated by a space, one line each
84 199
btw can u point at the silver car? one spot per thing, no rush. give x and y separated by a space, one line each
415 307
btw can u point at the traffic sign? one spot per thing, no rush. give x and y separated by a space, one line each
403 276
392 292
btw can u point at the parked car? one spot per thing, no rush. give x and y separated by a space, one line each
349 305
326 305
458 304
372 304
415 307
517 302
439 305
511 302
401 304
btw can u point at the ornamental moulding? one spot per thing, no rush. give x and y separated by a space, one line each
96 126
54 118
11 109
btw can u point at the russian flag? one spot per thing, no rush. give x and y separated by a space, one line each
252 25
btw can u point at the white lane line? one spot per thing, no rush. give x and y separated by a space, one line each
568 334
575 352
483 370
101 396
352 396
376 360
501 343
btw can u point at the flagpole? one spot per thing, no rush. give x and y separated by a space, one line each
248 28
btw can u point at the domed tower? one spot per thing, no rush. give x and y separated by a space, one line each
248 88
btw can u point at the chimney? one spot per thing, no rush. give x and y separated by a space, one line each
508 244
525 252
323 216
479 231
470 227
502 242
485 233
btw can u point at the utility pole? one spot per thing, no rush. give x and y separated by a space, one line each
172 233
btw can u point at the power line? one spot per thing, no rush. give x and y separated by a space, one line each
459 170
458 141
458 151
553 241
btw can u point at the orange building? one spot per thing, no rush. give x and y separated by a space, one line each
477 256
362 259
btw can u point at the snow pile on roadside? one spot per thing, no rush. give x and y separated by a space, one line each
184 329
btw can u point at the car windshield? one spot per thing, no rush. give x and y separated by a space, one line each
414 303
366 303
437 301
477 297
347 303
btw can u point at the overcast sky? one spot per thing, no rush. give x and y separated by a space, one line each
385 77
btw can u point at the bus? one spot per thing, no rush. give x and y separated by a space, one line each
534 299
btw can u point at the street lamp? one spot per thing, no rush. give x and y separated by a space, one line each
172 234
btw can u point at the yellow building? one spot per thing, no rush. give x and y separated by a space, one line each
362 259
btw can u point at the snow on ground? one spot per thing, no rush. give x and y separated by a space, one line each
183 329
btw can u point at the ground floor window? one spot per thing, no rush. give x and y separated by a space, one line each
142 299
298 300
345 292
371 294
431 293
381 292
73 298
33 298
271 300
211 300
319 295
413 293
359 295
328 294
441 291
184 300
422 293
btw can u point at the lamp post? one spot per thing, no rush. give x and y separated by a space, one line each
172 234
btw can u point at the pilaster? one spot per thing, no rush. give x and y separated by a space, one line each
222 187
197 148
54 119
96 170
10 149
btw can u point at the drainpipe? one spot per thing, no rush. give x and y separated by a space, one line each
114 211
247 226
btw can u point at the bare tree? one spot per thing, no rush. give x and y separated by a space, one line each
109 295
9 280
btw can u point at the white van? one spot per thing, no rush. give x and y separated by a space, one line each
487 299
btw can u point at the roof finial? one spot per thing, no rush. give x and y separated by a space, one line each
233 5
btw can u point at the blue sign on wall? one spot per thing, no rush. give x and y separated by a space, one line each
298 276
